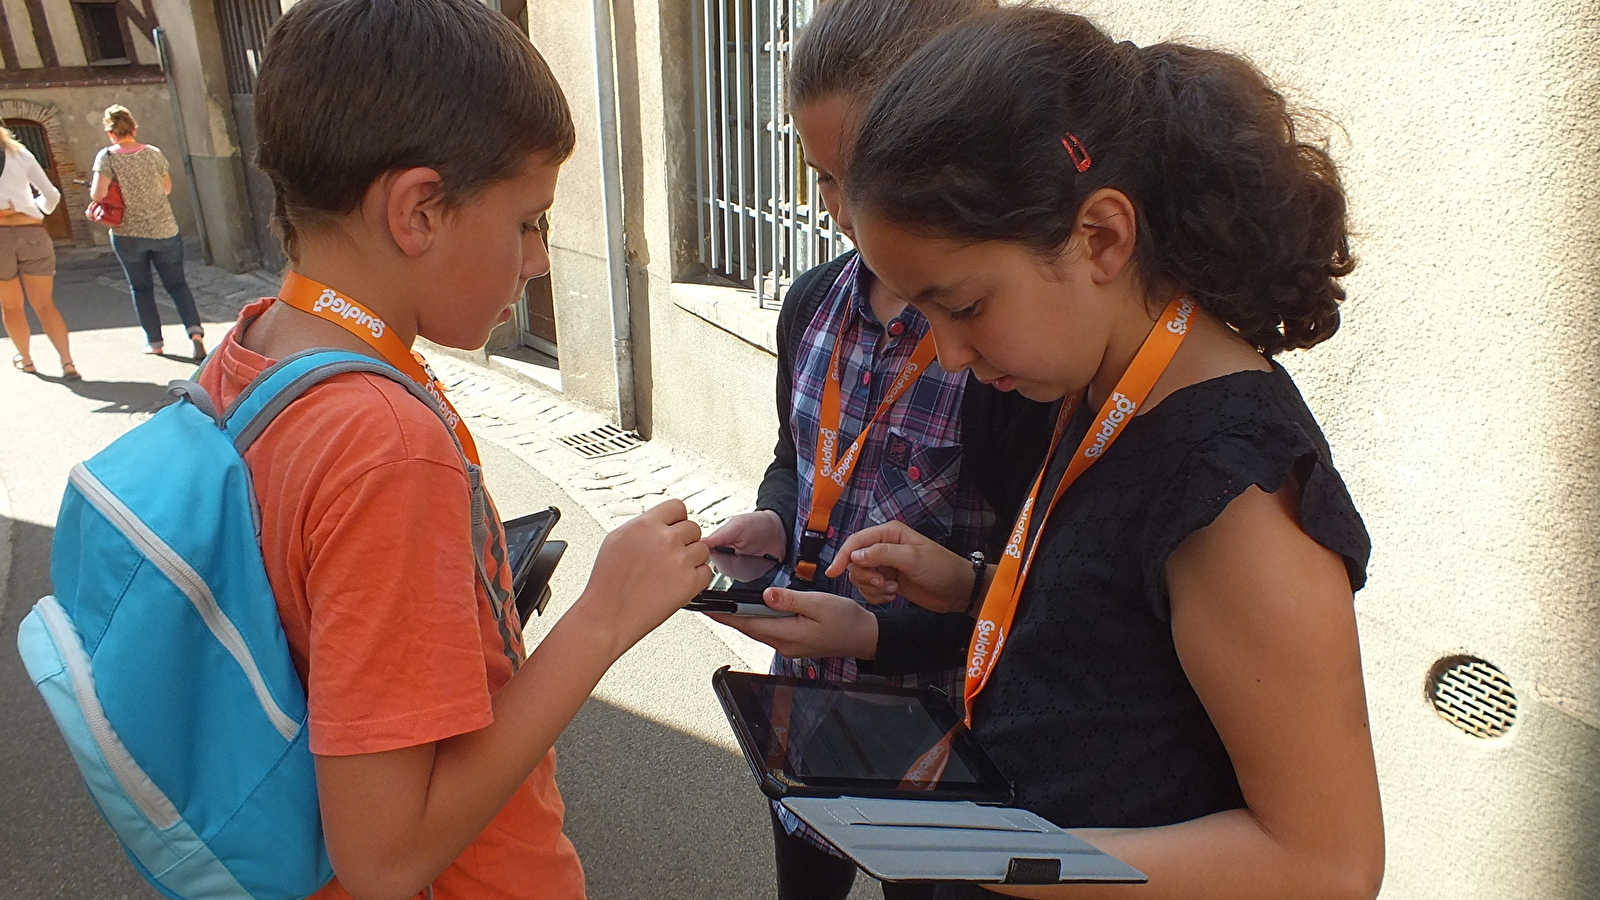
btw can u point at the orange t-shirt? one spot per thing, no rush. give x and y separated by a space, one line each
366 531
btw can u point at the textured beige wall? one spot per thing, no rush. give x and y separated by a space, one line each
561 30
1462 400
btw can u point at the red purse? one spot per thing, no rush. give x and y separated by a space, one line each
107 211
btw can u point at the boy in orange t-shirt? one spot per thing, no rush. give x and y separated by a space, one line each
414 145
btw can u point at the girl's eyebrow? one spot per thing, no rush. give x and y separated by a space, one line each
934 292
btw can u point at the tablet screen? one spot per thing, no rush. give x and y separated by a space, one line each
823 738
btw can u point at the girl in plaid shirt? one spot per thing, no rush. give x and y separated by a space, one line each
839 321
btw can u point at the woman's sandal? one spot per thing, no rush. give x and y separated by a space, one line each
69 372
23 364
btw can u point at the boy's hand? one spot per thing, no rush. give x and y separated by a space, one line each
823 625
647 569
893 559
758 533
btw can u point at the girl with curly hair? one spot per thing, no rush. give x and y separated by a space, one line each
1166 656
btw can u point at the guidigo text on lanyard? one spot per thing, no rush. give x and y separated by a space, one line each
833 473
1011 572
328 304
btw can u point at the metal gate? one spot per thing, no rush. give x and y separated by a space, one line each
760 217
243 25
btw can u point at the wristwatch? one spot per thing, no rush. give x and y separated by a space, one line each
979 563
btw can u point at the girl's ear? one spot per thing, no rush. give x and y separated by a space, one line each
410 203
1109 230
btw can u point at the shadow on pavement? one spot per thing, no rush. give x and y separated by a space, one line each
119 396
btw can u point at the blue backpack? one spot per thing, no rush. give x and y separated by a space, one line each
162 658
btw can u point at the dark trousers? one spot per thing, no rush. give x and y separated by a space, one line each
136 255
806 873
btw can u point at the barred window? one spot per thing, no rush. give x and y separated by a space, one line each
761 221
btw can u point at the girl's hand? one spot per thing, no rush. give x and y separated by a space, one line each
758 533
647 569
893 559
823 625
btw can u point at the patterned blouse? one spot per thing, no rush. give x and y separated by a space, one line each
141 174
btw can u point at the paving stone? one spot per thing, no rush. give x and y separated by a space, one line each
726 509
704 501
641 489
625 509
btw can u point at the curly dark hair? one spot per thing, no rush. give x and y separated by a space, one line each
1235 209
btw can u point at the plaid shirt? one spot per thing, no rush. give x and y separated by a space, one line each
910 464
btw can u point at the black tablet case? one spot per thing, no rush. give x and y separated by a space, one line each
913 838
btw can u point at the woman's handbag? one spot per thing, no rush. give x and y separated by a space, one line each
107 211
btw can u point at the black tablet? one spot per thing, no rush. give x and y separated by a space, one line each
533 558
524 535
807 738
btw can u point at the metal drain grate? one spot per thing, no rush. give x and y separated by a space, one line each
607 440
1473 695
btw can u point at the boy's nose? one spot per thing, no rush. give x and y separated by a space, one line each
536 262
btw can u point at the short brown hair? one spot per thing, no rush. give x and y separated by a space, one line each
851 47
352 89
119 121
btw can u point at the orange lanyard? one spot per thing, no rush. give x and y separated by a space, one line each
831 475
1011 572
326 303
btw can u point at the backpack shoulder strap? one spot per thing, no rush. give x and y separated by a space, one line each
273 390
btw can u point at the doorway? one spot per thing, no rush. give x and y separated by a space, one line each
33 136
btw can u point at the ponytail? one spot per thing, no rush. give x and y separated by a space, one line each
1004 125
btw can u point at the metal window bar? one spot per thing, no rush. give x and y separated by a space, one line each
243 26
761 219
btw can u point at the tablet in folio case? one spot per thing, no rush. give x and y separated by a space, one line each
891 778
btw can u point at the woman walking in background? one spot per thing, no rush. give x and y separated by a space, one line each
148 232
28 255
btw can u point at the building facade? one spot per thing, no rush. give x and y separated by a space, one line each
171 62
1461 398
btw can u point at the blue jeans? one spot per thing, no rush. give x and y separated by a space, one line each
136 254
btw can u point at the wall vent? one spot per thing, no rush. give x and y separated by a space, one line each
1473 695
607 440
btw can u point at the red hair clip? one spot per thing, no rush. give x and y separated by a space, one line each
1075 149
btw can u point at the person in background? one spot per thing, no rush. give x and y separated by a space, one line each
148 232
28 255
